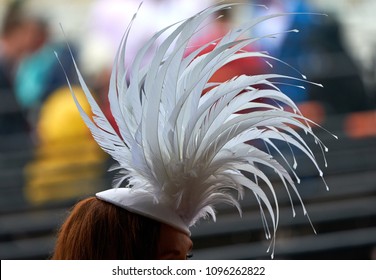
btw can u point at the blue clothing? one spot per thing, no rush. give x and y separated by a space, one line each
318 52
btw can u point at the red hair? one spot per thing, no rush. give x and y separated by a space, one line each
99 230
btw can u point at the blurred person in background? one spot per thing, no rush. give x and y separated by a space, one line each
29 74
213 33
30 67
318 52
29 70
67 163
40 74
16 41
38 89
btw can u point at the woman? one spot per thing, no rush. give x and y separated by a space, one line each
179 151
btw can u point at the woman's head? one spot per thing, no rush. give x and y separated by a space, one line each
99 230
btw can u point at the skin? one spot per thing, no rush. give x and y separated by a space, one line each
173 244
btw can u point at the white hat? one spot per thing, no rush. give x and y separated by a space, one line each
182 152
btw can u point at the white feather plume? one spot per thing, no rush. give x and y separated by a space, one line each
190 150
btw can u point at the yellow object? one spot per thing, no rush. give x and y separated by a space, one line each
68 162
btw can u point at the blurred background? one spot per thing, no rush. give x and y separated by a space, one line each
48 160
